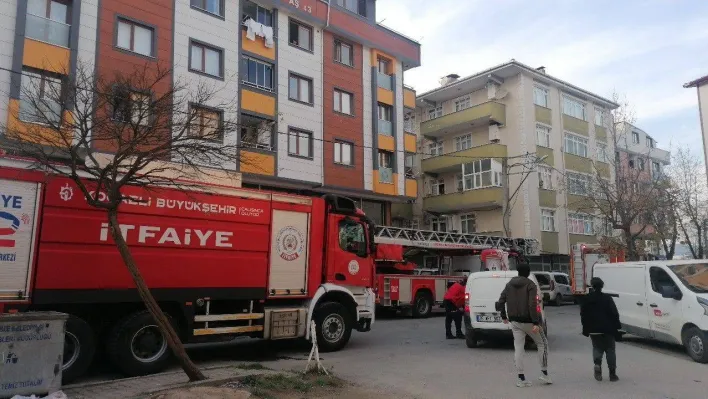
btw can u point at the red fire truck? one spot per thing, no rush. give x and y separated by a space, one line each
582 258
399 287
220 261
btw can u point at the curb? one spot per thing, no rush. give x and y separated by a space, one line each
209 382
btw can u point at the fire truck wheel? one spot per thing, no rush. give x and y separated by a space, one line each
423 305
136 346
334 326
79 348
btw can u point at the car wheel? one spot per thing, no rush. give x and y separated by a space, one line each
79 348
137 347
333 325
422 306
559 300
696 345
471 339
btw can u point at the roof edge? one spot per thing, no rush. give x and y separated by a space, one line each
697 82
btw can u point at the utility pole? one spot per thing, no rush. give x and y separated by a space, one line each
506 213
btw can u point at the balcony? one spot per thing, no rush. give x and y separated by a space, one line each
462 201
479 115
386 175
384 81
385 127
408 97
47 30
452 161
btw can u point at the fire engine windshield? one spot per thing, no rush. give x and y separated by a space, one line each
694 276
352 237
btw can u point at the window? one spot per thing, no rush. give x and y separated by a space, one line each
135 37
356 6
635 137
300 143
300 35
631 163
206 123
257 13
434 112
462 103
641 163
576 145
459 187
343 153
385 112
482 173
40 97
574 108
408 123
435 148
409 163
463 142
468 223
540 96
543 136
257 73
383 65
662 282
650 142
602 152
579 223
352 238
437 186
545 177
342 102
438 224
205 59
257 132
55 10
655 170
300 89
385 167
48 21
211 6
343 53
131 107
599 117
548 220
578 184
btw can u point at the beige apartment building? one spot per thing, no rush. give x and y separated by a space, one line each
701 85
470 128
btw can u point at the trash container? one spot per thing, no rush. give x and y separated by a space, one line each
31 350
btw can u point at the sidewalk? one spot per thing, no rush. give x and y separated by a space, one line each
138 387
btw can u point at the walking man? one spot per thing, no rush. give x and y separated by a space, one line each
518 305
453 301
601 323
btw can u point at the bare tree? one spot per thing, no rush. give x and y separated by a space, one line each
665 218
521 166
156 135
688 176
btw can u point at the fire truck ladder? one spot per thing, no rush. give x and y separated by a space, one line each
444 240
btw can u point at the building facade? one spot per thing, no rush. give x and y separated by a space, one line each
701 85
481 136
317 87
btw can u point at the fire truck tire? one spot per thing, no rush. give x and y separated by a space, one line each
423 305
334 326
79 349
136 347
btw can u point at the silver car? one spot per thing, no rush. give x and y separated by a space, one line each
555 287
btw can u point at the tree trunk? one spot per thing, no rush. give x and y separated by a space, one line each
163 323
630 244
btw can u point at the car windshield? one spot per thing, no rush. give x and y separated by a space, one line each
694 276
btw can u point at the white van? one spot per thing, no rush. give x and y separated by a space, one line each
482 320
662 300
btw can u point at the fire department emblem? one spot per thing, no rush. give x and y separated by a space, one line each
353 267
290 243
66 192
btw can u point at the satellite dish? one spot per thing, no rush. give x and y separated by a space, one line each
501 93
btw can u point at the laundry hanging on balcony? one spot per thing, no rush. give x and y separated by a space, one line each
254 28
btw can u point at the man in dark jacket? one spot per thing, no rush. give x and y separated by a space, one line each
518 305
601 323
453 301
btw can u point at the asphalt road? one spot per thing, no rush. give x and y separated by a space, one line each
413 357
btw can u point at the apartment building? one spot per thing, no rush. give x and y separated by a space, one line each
317 86
701 85
481 129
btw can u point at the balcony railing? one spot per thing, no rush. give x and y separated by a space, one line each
385 175
384 81
47 30
385 127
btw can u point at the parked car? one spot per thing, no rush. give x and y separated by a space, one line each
662 300
482 320
554 286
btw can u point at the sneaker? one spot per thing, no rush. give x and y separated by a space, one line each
523 383
598 373
460 336
613 377
545 379
450 336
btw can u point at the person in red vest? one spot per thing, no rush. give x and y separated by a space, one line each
454 303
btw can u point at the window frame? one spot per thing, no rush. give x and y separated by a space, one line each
545 177
339 92
577 141
301 25
575 103
340 151
386 155
467 217
338 43
650 142
45 78
267 11
436 112
362 251
438 146
133 23
461 139
635 137
204 47
244 73
381 61
131 91
435 184
549 214
300 78
222 5
358 6
439 221
586 183
408 170
575 219
601 148
463 102
193 107
298 133
599 112
546 94
547 135
388 111
474 179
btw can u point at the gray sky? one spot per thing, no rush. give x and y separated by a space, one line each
643 49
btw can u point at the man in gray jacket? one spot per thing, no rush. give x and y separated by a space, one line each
518 305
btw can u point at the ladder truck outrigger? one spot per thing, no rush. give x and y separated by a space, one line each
399 287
